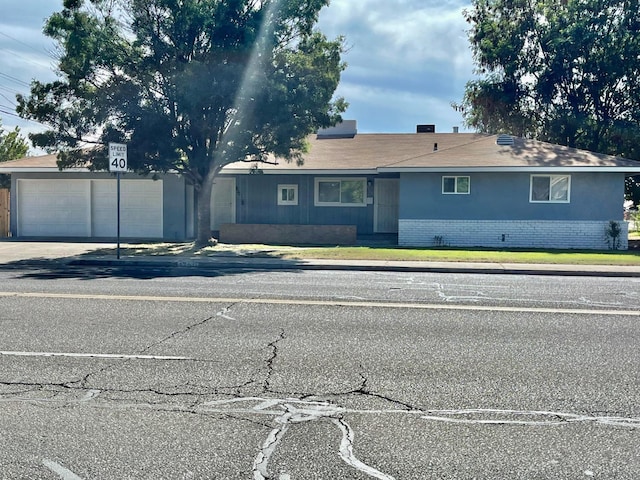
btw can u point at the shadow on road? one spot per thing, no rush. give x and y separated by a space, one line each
88 267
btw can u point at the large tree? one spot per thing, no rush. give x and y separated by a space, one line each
564 71
189 85
12 146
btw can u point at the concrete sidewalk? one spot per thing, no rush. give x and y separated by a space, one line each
59 254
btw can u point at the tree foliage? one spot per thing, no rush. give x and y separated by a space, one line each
12 146
563 71
189 85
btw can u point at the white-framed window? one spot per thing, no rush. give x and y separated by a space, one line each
340 192
287 194
456 185
550 189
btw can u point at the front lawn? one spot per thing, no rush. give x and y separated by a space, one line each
574 257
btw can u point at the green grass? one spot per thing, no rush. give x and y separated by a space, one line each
390 253
471 255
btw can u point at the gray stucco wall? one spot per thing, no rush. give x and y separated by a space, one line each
505 196
173 194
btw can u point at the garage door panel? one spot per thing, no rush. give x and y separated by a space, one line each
140 208
104 204
53 208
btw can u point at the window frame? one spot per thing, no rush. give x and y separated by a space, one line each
316 191
550 176
288 186
455 184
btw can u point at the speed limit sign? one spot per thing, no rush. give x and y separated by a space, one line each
117 157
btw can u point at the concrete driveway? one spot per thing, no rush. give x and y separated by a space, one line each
14 251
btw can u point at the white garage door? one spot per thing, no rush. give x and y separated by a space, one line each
140 208
53 208
88 208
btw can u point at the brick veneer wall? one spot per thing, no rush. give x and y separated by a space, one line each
489 233
288 234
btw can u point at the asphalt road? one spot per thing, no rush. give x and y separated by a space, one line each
116 374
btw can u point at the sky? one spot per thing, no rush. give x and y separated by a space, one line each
407 60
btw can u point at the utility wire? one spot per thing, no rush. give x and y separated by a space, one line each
26 44
11 100
13 114
14 79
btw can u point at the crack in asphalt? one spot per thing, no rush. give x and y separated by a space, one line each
177 333
266 384
81 383
146 349
289 410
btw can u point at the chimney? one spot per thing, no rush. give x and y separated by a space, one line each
456 129
345 129
426 128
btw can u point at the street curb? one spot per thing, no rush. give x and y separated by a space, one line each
292 265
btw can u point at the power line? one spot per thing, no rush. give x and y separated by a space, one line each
6 112
9 89
26 44
14 79
7 98
25 59
13 114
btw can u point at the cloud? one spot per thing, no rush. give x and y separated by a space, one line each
383 110
29 13
407 59
25 54
404 55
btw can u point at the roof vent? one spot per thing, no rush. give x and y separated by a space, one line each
505 140
426 128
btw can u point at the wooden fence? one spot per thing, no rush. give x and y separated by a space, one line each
4 212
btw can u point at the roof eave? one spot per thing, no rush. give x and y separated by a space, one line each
439 169
301 171
42 170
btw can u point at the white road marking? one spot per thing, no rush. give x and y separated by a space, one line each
510 417
346 452
298 411
291 411
327 303
117 356
458 298
223 314
62 472
91 394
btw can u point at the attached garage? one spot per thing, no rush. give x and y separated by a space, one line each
140 208
88 208
54 208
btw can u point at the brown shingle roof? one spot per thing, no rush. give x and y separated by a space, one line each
402 152
484 152
409 152
39 162
367 151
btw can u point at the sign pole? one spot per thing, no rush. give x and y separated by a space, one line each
118 164
118 249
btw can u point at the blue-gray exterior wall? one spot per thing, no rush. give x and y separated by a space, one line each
174 211
257 202
173 195
505 196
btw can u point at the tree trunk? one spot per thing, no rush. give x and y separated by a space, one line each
204 213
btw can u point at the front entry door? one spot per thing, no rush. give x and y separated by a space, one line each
387 199
223 202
